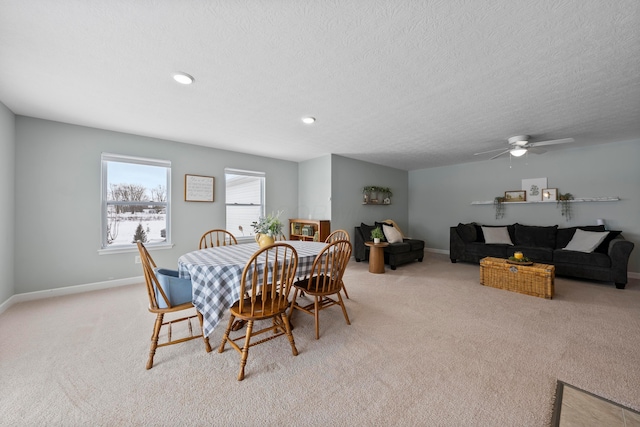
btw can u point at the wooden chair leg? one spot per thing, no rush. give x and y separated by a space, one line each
346 294
154 339
293 303
287 327
344 309
316 315
225 337
245 350
207 346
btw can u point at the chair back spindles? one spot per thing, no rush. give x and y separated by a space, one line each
337 235
217 237
325 280
265 285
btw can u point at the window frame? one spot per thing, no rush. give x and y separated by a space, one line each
263 198
105 158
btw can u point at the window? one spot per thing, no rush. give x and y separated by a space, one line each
244 195
136 196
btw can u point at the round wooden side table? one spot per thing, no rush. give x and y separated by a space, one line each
376 256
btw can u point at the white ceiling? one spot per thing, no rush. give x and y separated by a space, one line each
408 84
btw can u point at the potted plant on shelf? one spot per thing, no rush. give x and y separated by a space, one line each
366 193
266 228
498 204
377 235
564 200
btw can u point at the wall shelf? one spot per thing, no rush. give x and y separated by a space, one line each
553 202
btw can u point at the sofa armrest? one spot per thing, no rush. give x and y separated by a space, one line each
456 245
360 250
619 252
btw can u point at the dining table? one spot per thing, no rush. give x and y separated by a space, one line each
216 274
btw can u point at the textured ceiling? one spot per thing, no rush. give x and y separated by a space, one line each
408 84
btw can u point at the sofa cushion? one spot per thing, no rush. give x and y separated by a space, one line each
603 248
533 236
398 248
534 253
480 238
366 231
564 235
467 232
496 235
481 250
563 256
586 241
415 244
391 234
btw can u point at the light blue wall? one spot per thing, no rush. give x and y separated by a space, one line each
348 177
57 177
441 197
314 188
7 207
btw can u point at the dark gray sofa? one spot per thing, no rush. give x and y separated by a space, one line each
395 254
607 263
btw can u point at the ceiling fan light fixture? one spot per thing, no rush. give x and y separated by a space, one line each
517 152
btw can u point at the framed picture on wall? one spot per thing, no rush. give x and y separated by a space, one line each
533 187
198 188
549 194
515 196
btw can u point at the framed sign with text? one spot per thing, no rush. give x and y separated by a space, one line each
198 188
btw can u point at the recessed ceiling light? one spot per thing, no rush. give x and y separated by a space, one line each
183 78
308 120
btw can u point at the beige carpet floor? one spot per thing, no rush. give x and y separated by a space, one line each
428 346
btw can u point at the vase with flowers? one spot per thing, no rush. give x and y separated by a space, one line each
266 228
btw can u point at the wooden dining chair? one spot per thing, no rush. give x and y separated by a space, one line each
325 281
217 237
266 283
339 235
167 294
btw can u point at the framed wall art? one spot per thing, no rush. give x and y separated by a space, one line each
533 187
515 196
549 194
198 188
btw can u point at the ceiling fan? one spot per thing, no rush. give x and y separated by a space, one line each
520 144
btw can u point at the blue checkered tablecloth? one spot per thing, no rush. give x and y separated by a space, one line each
216 273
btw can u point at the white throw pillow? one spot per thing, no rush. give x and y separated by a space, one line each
496 235
586 241
391 234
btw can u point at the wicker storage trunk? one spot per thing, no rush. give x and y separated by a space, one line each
535 280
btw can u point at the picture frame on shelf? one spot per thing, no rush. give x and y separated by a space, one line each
515 196
549 194
534 187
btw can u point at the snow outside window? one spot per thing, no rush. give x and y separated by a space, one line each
136 196
244 198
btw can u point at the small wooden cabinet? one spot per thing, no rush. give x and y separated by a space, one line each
306 229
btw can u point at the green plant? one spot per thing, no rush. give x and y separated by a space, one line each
269 224
385 190
498 204
377 233
140 235
564 201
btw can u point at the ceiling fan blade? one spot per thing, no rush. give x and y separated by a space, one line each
490 151
498 155
551 142
536 150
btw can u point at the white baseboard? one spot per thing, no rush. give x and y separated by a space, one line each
68 290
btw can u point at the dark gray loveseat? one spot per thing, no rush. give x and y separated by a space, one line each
395 254
608 262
